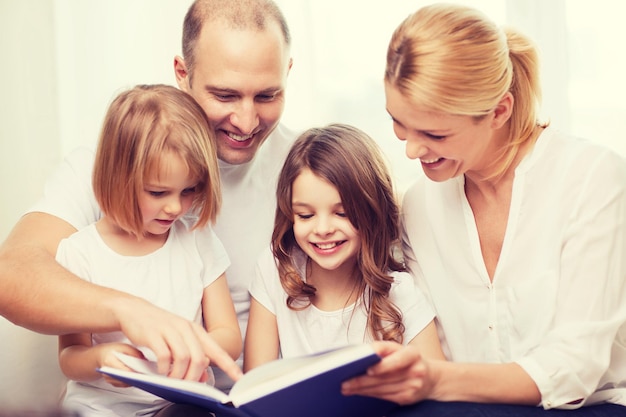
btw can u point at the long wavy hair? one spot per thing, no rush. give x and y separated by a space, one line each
351 161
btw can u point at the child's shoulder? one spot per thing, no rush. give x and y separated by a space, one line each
402 279
82 236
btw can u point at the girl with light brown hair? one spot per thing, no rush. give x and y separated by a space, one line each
157 182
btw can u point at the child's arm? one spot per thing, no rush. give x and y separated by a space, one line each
220 319
79 360
262 344
427 342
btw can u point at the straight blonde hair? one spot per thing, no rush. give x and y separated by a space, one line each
453 59
142 126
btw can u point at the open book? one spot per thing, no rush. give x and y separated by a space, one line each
308 386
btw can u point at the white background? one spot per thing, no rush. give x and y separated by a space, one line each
64 60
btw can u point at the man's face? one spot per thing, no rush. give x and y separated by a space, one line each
239 79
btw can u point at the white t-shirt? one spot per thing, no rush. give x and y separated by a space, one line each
246 220
313 330
173 277
244 224
558 296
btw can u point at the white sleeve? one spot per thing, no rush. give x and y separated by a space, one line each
71 254
68 193
213 255
415 308
575 354
265 286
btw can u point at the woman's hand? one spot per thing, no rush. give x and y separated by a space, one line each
402 376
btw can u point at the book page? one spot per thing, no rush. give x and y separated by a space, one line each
166 382
149 367
280 373
146 371
137 364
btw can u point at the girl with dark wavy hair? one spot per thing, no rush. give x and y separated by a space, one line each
332 277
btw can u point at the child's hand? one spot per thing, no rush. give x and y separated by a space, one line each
106 357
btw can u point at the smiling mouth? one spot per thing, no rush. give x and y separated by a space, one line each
238 138
430 161
326 246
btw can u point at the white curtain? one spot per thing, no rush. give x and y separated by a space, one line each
64 60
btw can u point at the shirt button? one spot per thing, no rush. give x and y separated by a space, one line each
548 403
491 327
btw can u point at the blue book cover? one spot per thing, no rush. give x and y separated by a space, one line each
308 386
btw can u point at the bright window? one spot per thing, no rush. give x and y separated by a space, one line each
339 56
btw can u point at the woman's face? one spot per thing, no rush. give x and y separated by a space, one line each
447 145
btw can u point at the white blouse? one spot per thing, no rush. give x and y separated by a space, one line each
557 303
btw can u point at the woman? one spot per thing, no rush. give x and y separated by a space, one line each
517 233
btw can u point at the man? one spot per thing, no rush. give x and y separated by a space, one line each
236 61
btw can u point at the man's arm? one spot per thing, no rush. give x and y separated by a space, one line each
38 293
